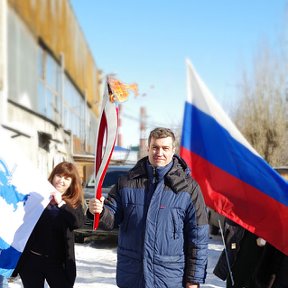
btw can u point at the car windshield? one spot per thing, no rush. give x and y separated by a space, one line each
110 179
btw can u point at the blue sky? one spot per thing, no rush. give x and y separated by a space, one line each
148 41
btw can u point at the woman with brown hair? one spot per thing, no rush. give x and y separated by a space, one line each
49 254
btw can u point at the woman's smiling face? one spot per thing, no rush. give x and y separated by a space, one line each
61 182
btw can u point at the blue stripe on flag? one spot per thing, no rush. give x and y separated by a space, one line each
9 258
203 136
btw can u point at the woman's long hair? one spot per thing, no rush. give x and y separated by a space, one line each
74 194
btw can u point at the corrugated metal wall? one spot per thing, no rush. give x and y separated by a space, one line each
54 22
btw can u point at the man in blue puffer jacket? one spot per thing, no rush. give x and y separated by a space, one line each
163 228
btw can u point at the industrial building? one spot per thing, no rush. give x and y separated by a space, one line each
50 85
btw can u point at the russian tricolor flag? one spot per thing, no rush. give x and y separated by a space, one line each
24 193
235 180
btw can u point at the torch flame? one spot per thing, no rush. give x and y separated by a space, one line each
119 91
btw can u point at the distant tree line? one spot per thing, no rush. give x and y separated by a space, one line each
262 111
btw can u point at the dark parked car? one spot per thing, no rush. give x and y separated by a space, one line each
111 177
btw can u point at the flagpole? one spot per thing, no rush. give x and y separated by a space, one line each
226 253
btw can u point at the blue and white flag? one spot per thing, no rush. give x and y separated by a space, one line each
24 194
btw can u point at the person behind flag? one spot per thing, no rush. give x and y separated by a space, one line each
49 253
273 268
272 271
240 258
162 218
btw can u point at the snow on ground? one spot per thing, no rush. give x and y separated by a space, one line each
96 264
215 248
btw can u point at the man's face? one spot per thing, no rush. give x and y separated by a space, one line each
160 151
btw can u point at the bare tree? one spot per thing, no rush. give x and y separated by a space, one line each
262 112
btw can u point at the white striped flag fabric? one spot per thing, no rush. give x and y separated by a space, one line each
24 194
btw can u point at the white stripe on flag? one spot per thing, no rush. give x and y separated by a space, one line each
207 104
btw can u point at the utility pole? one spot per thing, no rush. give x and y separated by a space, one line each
143 138
120 136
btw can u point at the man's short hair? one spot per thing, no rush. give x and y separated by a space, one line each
161 132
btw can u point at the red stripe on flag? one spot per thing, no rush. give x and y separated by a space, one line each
240 201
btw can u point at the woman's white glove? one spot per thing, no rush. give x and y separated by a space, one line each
57 197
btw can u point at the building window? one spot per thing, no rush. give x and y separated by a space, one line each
44 141
48 86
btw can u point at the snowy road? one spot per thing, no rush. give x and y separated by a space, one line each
96 263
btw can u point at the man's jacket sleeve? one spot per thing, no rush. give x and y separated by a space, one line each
197 235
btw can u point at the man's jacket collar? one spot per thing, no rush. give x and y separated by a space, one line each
176 178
